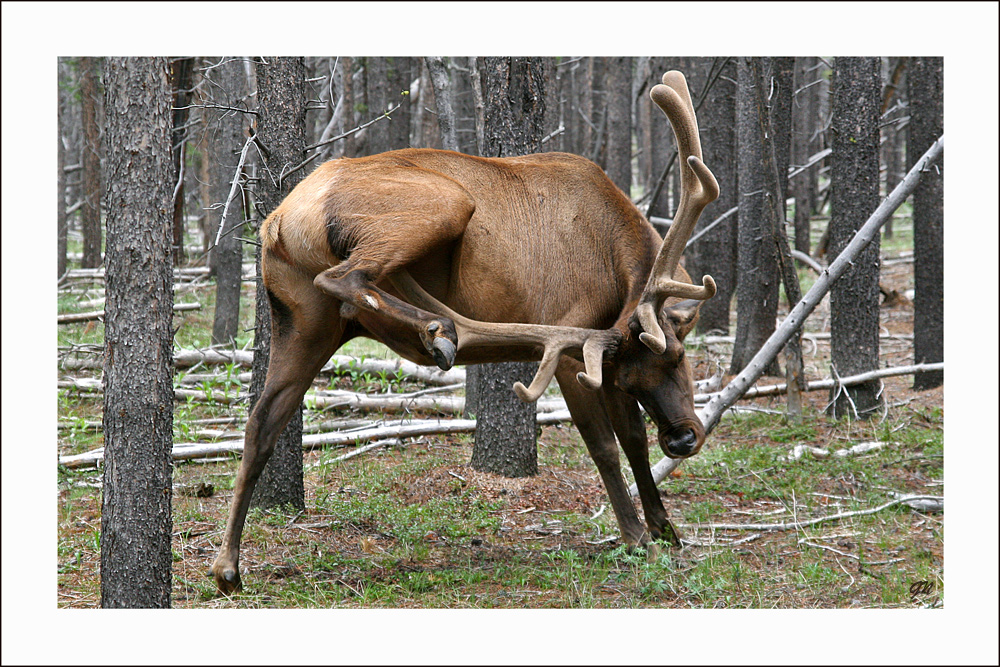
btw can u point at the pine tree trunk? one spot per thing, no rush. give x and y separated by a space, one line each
803 126
91 160
62 221
926 86
715 253
180 79
618 89
226 140
281 126
854 299
136 522
514 120
781 121
757 262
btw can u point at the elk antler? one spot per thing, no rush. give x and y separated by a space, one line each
555 340
698 189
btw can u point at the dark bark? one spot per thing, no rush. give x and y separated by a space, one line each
225 140
618 91
780 102
281 127
62 220
757 261
349 106
180 80
399 73
803 128
854 299
91 160
778 113
505 426
893 148
715 253
514 118
384 88
926 96
136 519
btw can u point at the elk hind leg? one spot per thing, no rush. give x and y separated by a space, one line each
355 283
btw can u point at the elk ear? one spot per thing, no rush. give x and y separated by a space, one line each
683 316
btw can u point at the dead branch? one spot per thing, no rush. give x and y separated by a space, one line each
410 429
99 314
829 383
796 525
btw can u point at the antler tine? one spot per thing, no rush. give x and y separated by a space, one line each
698 189
555 340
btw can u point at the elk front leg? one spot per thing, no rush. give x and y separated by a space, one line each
354 282
630 428
591 418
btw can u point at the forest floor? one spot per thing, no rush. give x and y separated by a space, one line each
413 526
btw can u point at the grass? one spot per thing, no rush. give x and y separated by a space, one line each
414 527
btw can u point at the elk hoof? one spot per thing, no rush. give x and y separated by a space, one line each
443 351
670 534
227 580
441 341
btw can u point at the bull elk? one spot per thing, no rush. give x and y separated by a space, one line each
448 258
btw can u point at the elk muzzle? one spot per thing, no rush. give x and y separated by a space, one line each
681 440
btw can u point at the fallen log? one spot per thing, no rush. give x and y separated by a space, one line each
89 316
194 450
830 383
339 364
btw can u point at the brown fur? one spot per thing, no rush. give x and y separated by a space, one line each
542 239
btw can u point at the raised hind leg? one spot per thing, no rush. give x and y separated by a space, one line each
298 352
354 282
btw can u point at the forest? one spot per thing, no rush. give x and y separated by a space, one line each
385 493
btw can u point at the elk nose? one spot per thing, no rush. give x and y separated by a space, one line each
683 444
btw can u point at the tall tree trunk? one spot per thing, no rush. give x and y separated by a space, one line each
349 103
779 116
440 80
854 299
180 80
715 253
893 103
514 121
780 102
136 523
91 160
62 220
618 89
399 72
281 127
803 127
553 117
926 95
757 262
226 140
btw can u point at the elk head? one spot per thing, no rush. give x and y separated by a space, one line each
644 352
